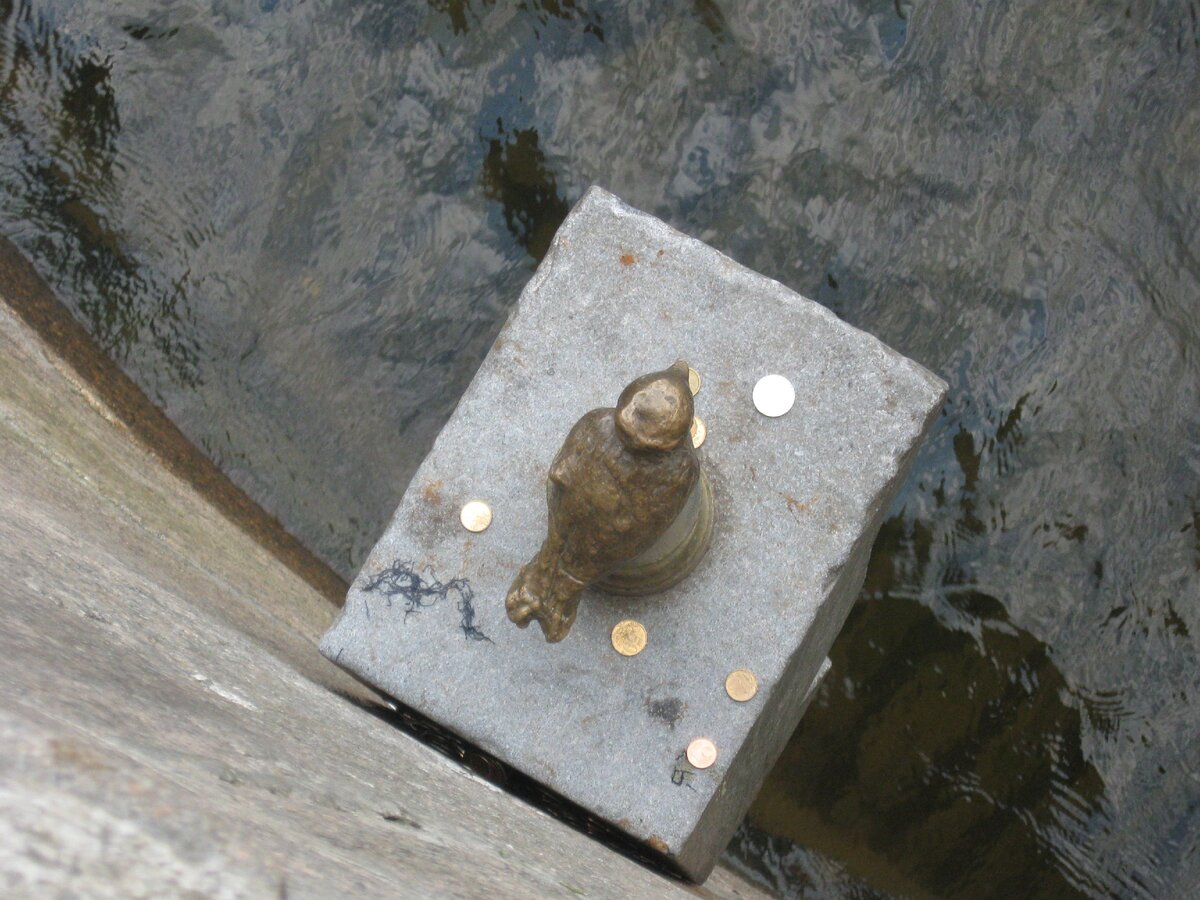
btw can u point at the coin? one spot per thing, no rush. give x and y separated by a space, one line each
773 395
702 753
475 516
699 431
629 637
693 381
741 685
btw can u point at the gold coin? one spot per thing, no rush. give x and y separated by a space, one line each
693 381
699 431
741 685
629 637
702 753
475 516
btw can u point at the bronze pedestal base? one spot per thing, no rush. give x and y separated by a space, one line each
673 556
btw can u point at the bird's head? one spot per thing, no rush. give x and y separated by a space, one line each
655 411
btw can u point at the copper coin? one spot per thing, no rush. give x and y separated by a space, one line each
699 431
693 381
475 516
741 685
702 753
629 637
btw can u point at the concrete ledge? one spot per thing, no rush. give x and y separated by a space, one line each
166 725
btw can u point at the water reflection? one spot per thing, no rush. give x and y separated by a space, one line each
935 759
516 175
300 225
467 14
60 122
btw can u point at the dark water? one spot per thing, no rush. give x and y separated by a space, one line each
299 226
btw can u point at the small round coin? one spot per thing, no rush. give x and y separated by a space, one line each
699 431
629 637
702 753
475 516
693 381
774 395
741 685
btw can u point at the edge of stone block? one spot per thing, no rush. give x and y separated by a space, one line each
695 859
597 195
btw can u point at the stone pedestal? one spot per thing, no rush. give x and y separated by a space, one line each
798 501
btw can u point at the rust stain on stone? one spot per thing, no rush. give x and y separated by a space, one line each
432 492
628 259
503 341
68 752
657 843
795 506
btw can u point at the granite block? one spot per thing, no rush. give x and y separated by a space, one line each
799 500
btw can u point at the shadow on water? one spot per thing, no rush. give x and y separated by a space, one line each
515 174
935 760
58 106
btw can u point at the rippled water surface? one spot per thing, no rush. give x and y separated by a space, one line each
299 225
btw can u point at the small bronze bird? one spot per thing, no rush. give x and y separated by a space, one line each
619 481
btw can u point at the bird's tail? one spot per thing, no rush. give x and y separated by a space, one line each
542 590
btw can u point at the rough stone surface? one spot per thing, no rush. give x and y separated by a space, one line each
168 729
799 501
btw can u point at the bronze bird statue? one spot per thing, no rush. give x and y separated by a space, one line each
621 478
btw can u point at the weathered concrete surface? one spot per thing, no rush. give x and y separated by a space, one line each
166 725
799 500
